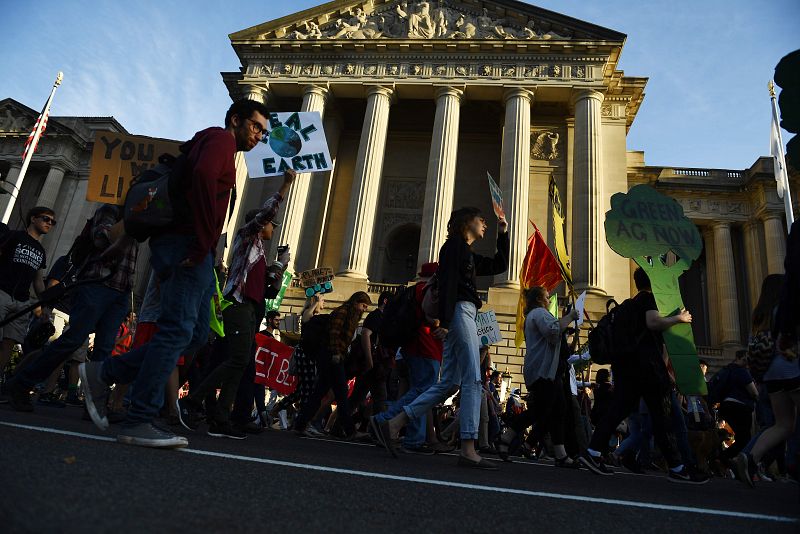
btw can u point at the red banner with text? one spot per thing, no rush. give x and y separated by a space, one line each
272 365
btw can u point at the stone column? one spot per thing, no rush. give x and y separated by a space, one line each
775 240
711 286
727 301
515 164
259 94
294 209
366 185
441 179
753 259
588 235
8 187
52 185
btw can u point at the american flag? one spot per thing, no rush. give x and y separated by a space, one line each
43 118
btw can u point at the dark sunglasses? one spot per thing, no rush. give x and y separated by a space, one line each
49 220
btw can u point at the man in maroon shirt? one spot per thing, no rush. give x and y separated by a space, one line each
182 260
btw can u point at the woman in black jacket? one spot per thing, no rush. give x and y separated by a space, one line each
458 306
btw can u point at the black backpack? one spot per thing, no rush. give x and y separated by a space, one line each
156 198
719 385
314 334
618 334
400 320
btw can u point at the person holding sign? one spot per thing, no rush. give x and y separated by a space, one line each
543 372
182 258
458 307
250 276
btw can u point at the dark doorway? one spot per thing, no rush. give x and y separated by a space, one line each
400 255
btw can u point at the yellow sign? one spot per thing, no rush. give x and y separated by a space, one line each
558 233
117 158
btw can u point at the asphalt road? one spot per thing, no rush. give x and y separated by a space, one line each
60 474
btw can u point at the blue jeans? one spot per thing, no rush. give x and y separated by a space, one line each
423 373
681 431
95 308
182 326
640 435
460 365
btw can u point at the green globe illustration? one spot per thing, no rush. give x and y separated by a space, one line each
285 142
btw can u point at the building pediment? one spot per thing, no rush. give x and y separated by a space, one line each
17 119
504 20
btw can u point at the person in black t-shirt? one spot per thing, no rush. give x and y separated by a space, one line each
644 376
22 264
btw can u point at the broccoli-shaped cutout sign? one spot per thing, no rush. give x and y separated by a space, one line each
646 226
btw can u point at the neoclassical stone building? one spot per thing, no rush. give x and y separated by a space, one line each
420 100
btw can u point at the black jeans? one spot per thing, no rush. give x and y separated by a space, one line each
740 418
630 384
331 375
248 393
545 411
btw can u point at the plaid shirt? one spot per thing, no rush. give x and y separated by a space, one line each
342 327
248 248
123 268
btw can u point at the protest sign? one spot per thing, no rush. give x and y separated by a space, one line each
580 307
488 328
275 304
293 140
559 236
317 281
272 365
497 197
117 158
646 226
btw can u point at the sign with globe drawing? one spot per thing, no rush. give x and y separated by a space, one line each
293 140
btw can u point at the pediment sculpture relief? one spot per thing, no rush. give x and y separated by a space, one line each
10 122
425 20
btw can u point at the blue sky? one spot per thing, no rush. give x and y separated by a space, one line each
154 65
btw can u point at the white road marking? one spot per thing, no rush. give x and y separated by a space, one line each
435 482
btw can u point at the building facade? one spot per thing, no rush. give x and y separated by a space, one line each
419 101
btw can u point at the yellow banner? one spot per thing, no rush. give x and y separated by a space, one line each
559 235
117 158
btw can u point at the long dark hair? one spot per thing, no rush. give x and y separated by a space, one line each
771 289
353 315
459 220
532 298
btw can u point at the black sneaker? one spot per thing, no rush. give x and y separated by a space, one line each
73 400
50 399
251 427
631 464
744 467
189 413
225 430
686 476
423 449
595 464
19 396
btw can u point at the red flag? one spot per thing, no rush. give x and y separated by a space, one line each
540 268
30 141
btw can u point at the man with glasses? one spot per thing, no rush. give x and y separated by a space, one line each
98 307
182 259
22 264
251 279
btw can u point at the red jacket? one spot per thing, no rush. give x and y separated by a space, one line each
423 344
210 154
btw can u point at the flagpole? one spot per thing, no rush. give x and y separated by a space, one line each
29 154
787 194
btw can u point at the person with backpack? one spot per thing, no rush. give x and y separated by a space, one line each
641 373
422 354
774 324
250 276
543 371
733 387
341 327
458 304
22 264
182 257
99 307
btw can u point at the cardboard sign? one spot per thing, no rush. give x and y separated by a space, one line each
645 225
497 197
117 158
294 141
272 365
488 328
559 236
317 281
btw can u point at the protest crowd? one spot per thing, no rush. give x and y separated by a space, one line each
406 372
